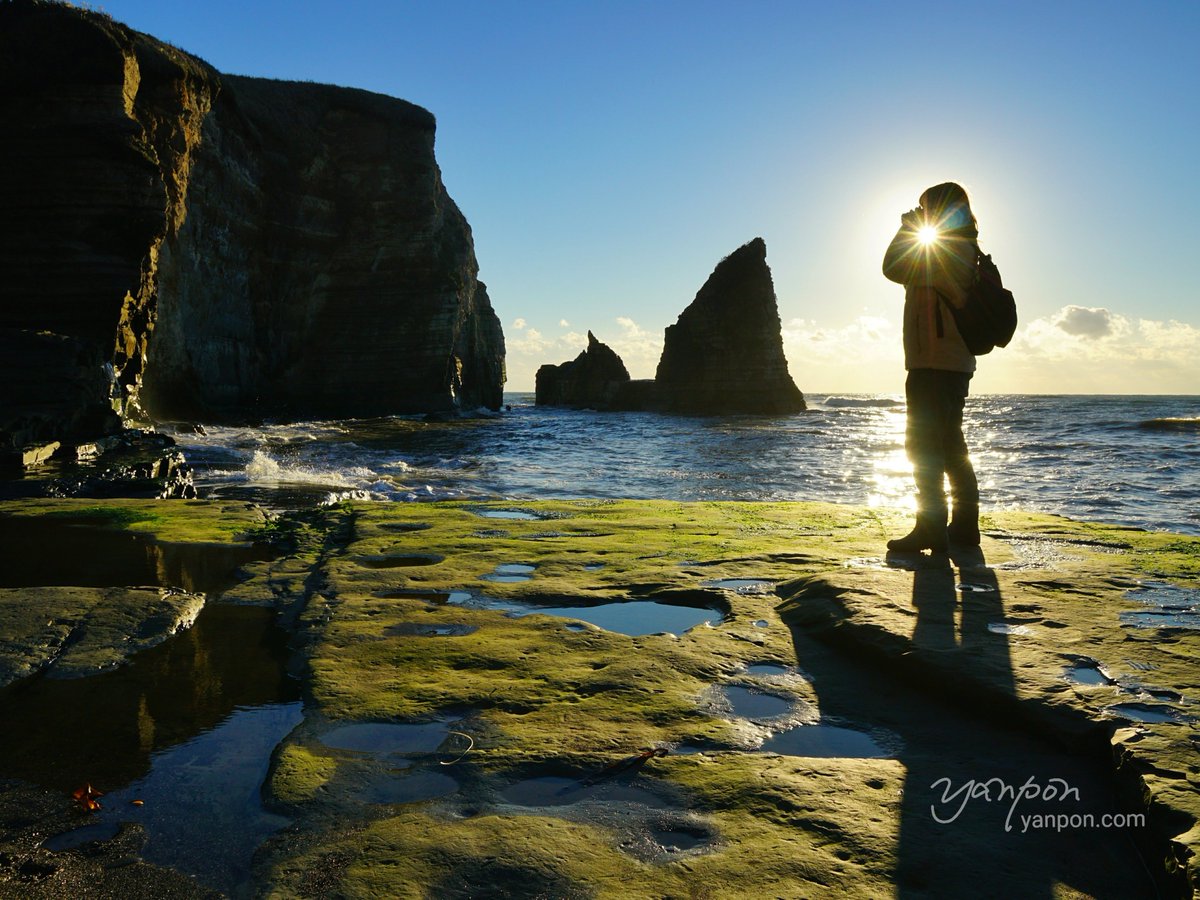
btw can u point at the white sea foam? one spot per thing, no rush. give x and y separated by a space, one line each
264 468
861 402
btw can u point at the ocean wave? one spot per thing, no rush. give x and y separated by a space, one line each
862 402
263 467
1053 454
1171 424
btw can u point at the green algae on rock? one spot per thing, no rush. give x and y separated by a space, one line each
526 700
541 697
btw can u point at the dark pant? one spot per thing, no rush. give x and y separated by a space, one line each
935 444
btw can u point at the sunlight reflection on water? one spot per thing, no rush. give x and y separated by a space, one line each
1084 457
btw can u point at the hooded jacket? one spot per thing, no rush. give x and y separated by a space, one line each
933 276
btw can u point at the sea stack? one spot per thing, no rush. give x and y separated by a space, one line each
725 353
592 380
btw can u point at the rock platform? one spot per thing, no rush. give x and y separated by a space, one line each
774 709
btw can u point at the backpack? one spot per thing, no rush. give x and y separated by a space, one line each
988 316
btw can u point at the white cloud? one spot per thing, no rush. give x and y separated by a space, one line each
864 356
529 343
1072 350
864 339
519 324
1084 321
639 349
1083 350
563 323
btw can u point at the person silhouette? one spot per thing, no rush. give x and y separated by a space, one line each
934 255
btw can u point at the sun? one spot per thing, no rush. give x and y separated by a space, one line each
927 235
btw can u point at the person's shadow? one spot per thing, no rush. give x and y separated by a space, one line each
951 733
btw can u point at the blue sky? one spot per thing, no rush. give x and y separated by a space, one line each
609 154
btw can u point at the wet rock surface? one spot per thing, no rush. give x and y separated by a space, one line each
454 742
79 596
1073 653
31 866
129 463
71 632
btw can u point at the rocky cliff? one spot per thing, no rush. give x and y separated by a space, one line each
593 379
294 243
322 269
725 353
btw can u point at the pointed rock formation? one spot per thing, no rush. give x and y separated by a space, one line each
592 380
725 354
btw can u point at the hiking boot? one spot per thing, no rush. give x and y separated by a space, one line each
963 530
926 535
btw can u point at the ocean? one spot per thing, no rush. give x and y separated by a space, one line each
1101 458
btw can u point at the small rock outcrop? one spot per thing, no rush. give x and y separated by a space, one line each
183 243
725 354
592 380
723 357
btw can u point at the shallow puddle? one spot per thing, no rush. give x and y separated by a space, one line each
69 840
431 629
966 587
674 840
826 741
1084 674
767 669
552 790
398 560
511 573
1167 606
409 787
748 703
383 738
1189 619
187 727
633 617
63 551
518 514
202 808
437 598
1005 628
741 585
1145 712
662 837
1165 595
